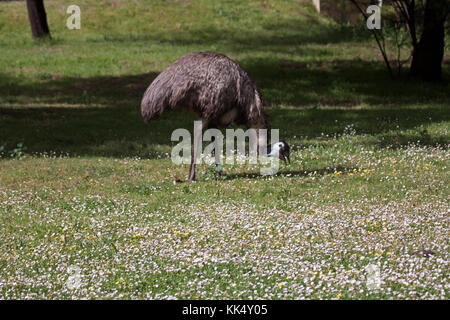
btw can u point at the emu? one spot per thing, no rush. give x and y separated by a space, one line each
215 88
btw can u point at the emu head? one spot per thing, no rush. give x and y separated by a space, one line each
281 150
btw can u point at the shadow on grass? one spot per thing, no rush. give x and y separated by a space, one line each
108 91
101 116
284 172
341 83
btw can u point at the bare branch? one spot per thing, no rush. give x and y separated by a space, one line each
379 39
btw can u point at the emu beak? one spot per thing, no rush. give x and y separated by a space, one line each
285 152
288 158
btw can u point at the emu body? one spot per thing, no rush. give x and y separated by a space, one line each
210 85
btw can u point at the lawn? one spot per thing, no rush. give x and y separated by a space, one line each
91 205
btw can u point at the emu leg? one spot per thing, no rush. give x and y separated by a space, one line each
260 147
198 130
191 176
217 157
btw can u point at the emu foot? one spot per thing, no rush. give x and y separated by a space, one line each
219 170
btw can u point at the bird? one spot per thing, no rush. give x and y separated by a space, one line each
280 150
212 86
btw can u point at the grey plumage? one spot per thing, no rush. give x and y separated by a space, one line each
208 84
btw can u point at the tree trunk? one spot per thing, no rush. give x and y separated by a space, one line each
429 52
38 18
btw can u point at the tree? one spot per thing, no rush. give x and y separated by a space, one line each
424 17
38 18
428 53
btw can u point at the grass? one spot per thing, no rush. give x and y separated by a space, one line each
85 183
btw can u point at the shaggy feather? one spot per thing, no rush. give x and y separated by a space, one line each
208 84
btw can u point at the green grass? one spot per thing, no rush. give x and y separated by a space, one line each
84 182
